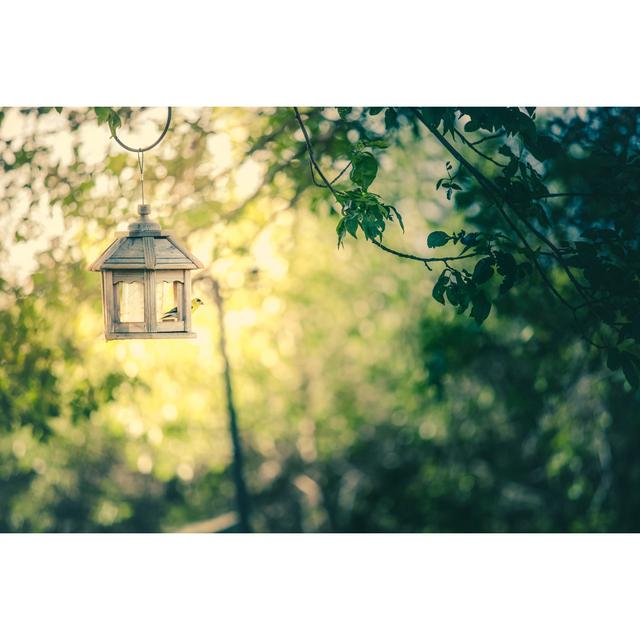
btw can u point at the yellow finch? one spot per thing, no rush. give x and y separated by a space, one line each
172 314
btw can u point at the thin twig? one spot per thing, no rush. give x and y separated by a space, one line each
483 155
341 173
425 260
312 158
498 134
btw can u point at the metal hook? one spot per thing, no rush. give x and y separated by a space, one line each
151 146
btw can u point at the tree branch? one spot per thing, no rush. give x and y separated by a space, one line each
498 134
473 148
425 260
312 158
496 196
341 173
329 184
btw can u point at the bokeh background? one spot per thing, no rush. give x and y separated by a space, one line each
363 405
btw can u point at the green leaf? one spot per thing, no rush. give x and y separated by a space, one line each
437 239
508 282
341 230
390 118
510 170
374 111
454 294
518 190
365 169
343 112
379 143
114 122
440 287
351 225
449 120
481 307
470 239
102 113
433 115
545 147
506 263
483 270
527 128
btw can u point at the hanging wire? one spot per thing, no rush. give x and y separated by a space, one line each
140 150
141 166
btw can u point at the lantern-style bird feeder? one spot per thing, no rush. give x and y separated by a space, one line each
146 280
146 284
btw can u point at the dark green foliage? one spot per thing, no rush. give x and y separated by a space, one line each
440 287
31 394
483 270
481 307
366 211
110 116
29 391
437 239
365 168
523 228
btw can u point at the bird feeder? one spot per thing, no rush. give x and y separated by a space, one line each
146 279
146 273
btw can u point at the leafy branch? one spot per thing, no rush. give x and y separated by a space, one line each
359 208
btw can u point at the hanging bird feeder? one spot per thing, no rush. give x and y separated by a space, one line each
146 276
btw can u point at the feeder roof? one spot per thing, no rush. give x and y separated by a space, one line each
158 251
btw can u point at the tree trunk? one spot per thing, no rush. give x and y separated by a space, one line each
242 496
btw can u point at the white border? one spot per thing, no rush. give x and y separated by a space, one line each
330 52
284 52
319 587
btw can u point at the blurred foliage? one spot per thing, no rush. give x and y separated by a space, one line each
364 405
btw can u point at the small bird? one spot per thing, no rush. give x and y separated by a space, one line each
172 314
